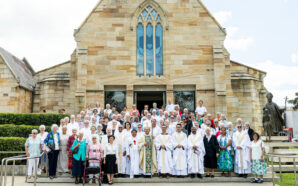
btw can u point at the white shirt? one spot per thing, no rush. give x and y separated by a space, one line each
109 111
201 110
170 107
257 149
42 137
56 141
111 149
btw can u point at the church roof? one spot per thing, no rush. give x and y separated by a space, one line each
21 70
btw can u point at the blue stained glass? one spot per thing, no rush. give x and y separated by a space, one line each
158 19
144 13
149 18
149 49
149 8
158 50
140 49
140 19
153 13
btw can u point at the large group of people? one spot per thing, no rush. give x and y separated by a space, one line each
133 143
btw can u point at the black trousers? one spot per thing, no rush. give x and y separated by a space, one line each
53 158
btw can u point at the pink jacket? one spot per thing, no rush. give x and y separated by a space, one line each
95 151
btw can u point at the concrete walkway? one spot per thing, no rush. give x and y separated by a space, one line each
20 181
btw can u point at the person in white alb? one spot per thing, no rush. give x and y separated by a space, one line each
156 130
164 148
123 161
86 130
132 151
179 152
195 154
241 143
201 110
72 124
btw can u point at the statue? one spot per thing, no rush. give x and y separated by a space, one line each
272 116
267 124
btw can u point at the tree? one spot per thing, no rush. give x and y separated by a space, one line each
294 101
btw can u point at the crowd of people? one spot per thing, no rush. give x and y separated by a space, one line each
163 141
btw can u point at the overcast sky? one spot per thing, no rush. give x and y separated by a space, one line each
261 33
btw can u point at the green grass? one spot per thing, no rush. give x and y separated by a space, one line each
288 179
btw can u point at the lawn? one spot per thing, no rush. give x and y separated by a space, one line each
288 179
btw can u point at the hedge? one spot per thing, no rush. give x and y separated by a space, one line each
11 130
11 144
31 118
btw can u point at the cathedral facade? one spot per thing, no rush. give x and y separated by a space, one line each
139 52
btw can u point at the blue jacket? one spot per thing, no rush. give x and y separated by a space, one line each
49 141
81 155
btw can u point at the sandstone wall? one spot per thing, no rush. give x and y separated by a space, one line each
192 47
249 95
12 97
53 90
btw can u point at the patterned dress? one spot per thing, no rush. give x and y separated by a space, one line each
224 161
70 141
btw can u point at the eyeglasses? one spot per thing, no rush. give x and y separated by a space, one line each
34 133
239 127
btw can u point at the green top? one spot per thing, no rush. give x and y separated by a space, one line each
33 146
81 155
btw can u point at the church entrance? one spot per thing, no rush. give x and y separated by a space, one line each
148 98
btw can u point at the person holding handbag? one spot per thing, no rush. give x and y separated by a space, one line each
79 150
257 151
52 147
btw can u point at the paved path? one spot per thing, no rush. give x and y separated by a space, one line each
20 181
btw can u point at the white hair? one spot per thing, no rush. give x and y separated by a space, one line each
53 126
64 127
221 124
81 132
100 125
208 128
230 123
239 119
42 126
34 130
86 121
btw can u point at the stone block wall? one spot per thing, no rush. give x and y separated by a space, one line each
12 97
53 90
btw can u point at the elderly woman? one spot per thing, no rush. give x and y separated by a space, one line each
62 124
33 147
177 109
95 151
110 158
70 141
79 150
42 136
212 150
225 162
99 132
93 132
62 158
52 143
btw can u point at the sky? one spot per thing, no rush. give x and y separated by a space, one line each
260 33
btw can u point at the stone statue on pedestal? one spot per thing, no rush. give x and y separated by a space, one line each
272 120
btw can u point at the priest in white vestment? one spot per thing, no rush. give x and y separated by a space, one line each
195 154
241 144
121 137
164 149
132 151
156 130
179 152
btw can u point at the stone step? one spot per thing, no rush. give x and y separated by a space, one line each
283 160
275 138
286 151
219 179
282 144
284 168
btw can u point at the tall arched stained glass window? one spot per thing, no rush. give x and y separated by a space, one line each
149 43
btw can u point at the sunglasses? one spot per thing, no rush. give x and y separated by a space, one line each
239 127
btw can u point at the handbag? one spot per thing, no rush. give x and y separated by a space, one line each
75 150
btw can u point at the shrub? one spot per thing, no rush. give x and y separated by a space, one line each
31 118
11 144
11 130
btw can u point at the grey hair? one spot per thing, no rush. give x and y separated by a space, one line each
42 126
81 132
34 130
100 125
208 128
53 126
